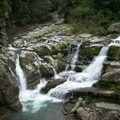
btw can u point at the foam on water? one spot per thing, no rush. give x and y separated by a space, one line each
80 80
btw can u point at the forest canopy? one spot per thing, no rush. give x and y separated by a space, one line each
79 13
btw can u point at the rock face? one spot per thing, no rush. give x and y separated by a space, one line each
114 28
3 35
113 76
9 93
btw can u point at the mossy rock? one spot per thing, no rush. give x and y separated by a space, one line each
108 85
89 52
114 53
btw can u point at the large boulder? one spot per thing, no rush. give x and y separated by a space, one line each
89 52
9 92
51 49
43 50
114 28
46 70
57 63
30 66
114 53
113 76
52 83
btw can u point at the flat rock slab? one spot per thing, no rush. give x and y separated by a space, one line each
110 106
96 92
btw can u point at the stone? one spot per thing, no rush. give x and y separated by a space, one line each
30 66
109 116
84 114
46 70
114 53
52 83
113 76
77 105
96 92
5 113
43 50
114 28
11 97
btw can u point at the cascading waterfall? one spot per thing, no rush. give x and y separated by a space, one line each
33 100
74 59
79 80
20 74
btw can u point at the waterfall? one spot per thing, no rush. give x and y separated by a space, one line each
20 74
74 59
79 80
55 72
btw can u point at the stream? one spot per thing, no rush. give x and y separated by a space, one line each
39 106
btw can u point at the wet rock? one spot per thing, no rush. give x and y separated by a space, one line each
78 68
114 53
89 52
46 70
113 76
30 66
9 92
43 50
114 28
109 116
5 113
52 83
11 97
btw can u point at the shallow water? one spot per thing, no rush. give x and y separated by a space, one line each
50 111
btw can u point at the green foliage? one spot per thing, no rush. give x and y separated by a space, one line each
4 7
30 11
88 14
109 85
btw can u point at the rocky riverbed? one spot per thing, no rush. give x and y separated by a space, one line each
46 51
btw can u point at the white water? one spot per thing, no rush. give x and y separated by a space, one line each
33 100
79 80
20 74
74 59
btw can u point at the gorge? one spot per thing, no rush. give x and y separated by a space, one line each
50 65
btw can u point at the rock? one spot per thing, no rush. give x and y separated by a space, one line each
30 66
11 97
89 52
85 114
9 92
3 34
43 50
46 70
109 116
108 106
5 113
114 53
52 83
114 28
96 92
113 76
78 68
77 105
